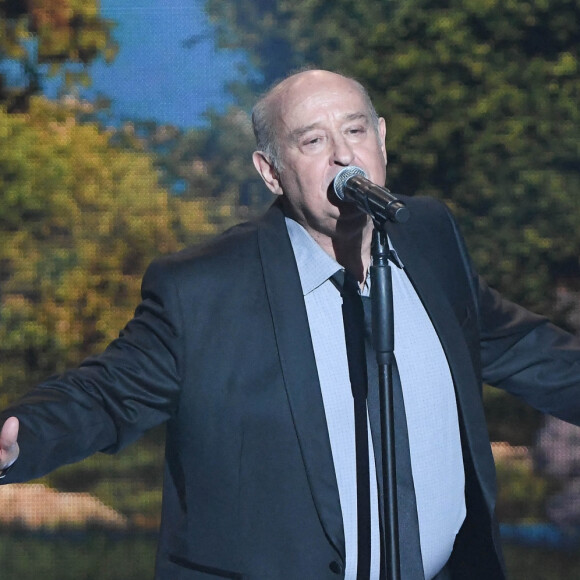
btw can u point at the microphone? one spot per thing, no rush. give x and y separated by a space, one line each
351 184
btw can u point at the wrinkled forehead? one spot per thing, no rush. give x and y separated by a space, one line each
305 100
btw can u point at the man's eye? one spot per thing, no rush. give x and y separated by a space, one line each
312 142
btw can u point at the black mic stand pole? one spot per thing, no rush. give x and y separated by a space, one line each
384 345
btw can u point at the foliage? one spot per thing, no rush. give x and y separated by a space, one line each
80 221
481 100
58 36
208 167
282 36
216 162
521 493
509 418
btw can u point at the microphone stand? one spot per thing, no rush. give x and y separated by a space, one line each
384 345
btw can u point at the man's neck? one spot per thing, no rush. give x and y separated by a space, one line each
354 253
356 263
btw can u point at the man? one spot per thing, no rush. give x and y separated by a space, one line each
237 347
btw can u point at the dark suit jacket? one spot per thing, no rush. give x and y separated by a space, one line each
220 349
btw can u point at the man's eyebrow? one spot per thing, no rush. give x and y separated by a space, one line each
356 117
300 131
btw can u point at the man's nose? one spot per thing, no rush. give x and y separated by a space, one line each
343 153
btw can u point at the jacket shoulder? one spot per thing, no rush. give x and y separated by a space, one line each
234 252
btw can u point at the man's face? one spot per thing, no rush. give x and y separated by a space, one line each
324 125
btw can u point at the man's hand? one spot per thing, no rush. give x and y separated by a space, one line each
9 449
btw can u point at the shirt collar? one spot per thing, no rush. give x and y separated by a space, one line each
315 266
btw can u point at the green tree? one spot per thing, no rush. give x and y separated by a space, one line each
282 36
214 163
80 221
481 100
208 170
39 37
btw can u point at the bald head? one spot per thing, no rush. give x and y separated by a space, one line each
266 115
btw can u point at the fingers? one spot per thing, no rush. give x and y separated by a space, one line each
9 442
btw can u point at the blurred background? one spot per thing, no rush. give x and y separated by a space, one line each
125 133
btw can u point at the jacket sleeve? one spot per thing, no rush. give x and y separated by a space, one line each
522 352
111 399
529 356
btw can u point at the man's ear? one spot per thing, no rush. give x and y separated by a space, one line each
267 171
382 137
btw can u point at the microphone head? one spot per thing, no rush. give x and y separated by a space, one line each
343 176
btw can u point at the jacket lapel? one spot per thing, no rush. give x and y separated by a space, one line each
299 370
428 284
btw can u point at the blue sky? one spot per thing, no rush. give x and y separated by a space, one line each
154 76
